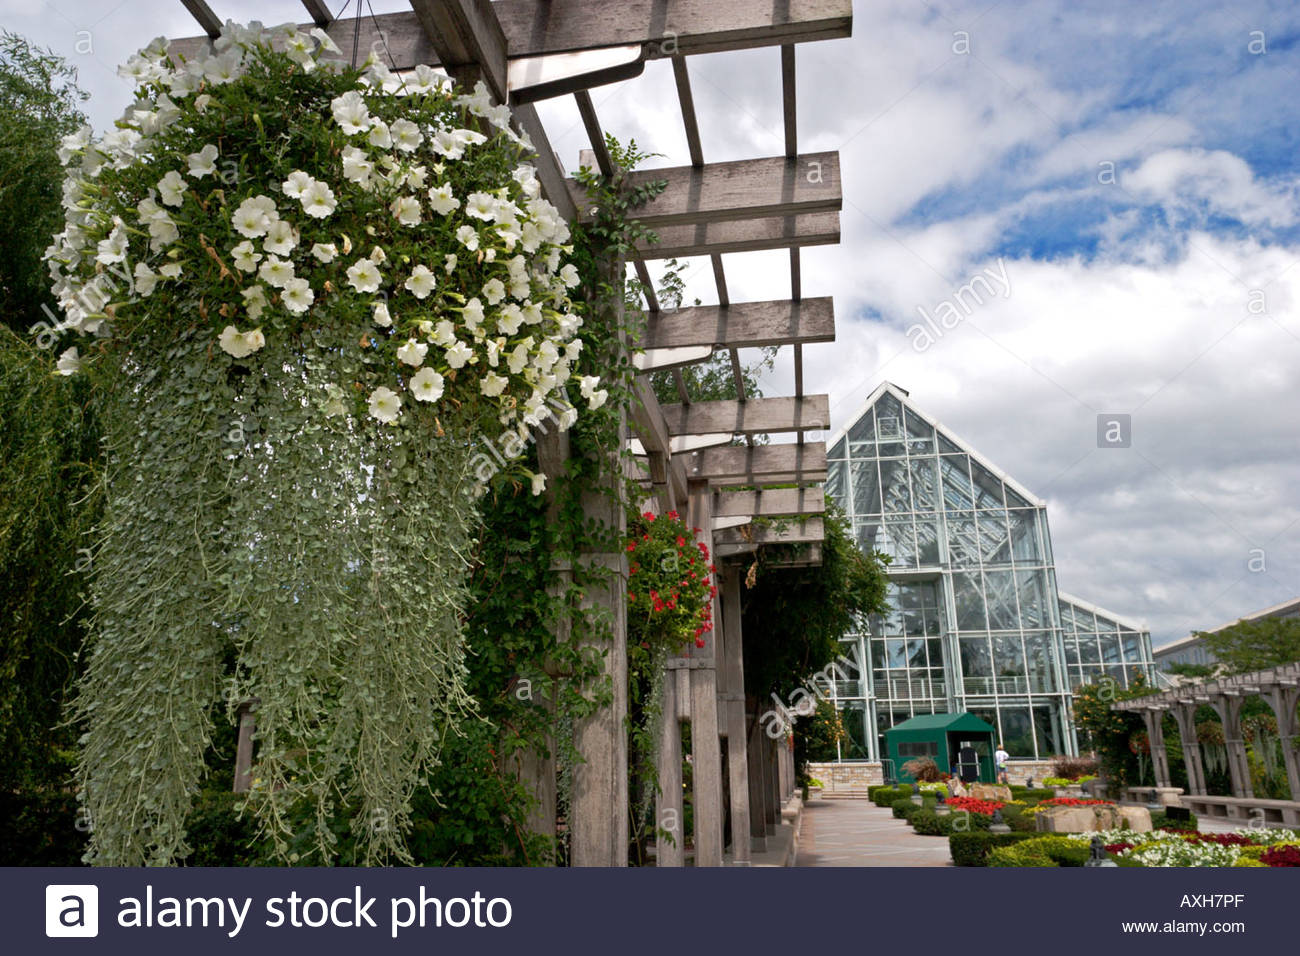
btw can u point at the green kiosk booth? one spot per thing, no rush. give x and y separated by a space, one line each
943 738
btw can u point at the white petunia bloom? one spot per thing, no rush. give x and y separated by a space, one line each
334 404
539 484
324 251
442 200
468 237
412 352
246 256
444 333
252 218
326 44
532 313
426 385
459 355
472 314
171 188
204 162
421 282
254 301
145 279
296 184
597 398
202 101
509 319
416 176
493 384
481 206
518 359
406 135
449 263
357 166
69 362
385 405
318 200
406 209
297 296
494 291
240 344
276 272
382 316
380 135
588 384
364 276
569 276
171 270
281 238
447 143
351 113
113 248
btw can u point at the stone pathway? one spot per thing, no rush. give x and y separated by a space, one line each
848 832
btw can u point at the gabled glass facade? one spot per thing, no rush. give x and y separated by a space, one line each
976 621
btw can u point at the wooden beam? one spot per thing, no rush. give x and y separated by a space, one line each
319 13
468 39
753 235
752 417
208 21
738 464
797 532
743 189
648 423
550 172
744 325
777 503
664 27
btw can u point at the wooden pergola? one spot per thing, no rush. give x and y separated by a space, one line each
529 50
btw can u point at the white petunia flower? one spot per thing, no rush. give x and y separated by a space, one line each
380 135
378 256
240 344
481 206
509 319
145 279
449 263
588 384
69 362
382 317
318 200
569 276
204 162
296 184
447 143
113 248
518 359
421 282
254 301
171 188
385 405
276 272
325 251
416 176
412 352
326 44
252 218
597 398
351 113
539 484
472 314
246 256
532 313
459 355
281 238
442 200
364 276
171 270
494 291
297 296
493 384
426 385
406 135
202 101
407 210
334 404
444 333
357 166
468 237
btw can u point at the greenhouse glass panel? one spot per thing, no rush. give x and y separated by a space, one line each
1000 596
894 484
1024 537
976 659
837 487
1032 589
969 598
839 450
925 483
988 487
866 488
928 531
995 544
1047 725
958 493
963 540
1017 731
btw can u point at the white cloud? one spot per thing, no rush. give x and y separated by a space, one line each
1183 179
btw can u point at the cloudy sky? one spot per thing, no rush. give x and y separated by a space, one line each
1132 169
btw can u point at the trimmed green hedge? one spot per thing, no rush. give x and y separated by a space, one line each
1047 850
1161 819
1032 796
973 848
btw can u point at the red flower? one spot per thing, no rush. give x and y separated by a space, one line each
674 515
648 515
681 542
1281 856
631 546
700 643
631 598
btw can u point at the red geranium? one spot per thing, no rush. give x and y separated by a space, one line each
972 805
680 606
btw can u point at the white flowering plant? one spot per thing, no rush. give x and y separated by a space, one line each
392 206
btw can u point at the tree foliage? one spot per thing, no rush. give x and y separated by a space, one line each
1255 645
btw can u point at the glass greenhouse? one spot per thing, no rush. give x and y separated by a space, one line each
977 623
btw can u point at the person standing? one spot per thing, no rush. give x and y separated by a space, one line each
1000 758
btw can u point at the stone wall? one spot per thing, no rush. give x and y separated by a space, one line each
847 776
1018 771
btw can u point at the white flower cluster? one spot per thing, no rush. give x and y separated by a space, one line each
467 286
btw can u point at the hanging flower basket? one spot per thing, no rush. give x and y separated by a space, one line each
670 583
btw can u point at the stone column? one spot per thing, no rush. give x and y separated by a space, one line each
706 749
732 680
1154 720
1185 715
757 787
668 803
1283 701
1229 709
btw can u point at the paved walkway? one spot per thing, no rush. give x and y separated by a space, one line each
848 832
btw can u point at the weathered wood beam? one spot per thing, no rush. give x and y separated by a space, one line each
649 426
777 503
319 13
468 39
664 27
764 462
751 417
798 532
208 21
742 189
752 235
744 325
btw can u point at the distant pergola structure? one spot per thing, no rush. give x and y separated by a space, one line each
1278 686
529 50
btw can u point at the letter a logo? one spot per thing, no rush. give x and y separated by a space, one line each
71 910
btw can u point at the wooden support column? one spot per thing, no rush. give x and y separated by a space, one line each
1229 709
732 680
1283 701
1185 715
247 723
1154 720
706 750
772 775
757 789
668 803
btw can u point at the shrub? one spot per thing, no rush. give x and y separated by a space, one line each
218 835
924 770
1041 851
973 849
1160 821
928 823
886 795
904 808
40 829
1074 768
1032 795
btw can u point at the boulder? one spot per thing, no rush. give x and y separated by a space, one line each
991 791
956 788
1083 819
1137 819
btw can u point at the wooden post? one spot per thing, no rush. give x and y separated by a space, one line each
247 721
1154 719
1185 715
772 777
1229 708
668 803
732 681
1283 701
706 750
757 790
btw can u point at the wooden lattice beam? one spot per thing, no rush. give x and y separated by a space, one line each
761 464
791 532
752 417
744 325
775 503
748 235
